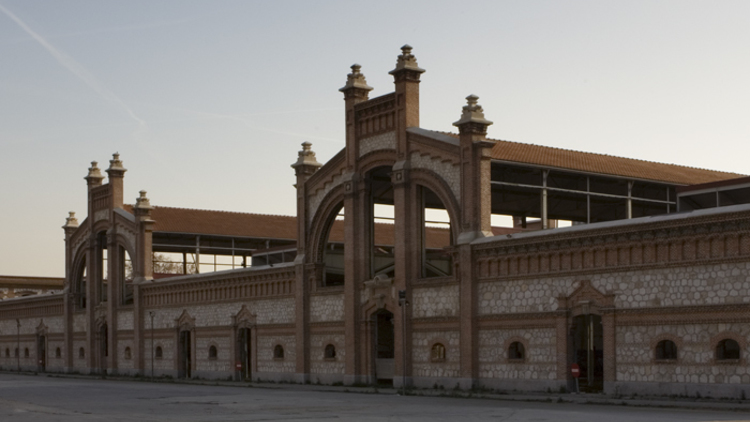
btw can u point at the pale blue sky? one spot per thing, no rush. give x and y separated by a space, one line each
208 101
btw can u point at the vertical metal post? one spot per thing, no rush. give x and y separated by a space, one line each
588 200
151 314
590 357
403 303
18 345
629 211
198 254
544 199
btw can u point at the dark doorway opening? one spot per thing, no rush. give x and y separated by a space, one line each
41 352
103 348
185 358
588 345
243 353
384 346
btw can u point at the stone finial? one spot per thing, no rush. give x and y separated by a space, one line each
95 174
472 113
306 157
71 222
142 202
406 61
356 80
115 165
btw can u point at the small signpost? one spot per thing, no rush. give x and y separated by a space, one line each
575 370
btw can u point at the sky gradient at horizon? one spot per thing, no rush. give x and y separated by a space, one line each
208 102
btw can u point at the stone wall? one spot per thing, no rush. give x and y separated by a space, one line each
327 308
696 361
266 361
439 301
538 364
125 320
426 367
219 365
267 311
323 368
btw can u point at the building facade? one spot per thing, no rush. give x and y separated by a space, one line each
394 270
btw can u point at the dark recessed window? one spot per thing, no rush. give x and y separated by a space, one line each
58 353
666 350
128 354
278 352
212 353
727 349
516 351
330 352
81 353
26 352
158 352
438 352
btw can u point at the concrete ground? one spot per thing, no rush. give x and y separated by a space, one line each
53 398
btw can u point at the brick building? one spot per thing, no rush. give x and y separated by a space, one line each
638 272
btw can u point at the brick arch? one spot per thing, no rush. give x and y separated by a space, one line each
375 159
513 339
437 185
322 221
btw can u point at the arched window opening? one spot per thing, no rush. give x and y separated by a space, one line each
79 286
278 352
81 353
330 352
516 351
158 353
436 238
438 352
7 352
728 349
58 353
128 354
382 235
212 353
26 352
101 261
666 350
126 277
333 255
15 353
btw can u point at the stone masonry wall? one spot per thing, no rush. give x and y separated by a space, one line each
318 363
327 308
539 362
265 360
439 301
695 362
424 366
222 361
727 283
267 311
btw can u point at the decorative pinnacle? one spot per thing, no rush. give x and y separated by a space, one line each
406 61
306 157
95 174
356 80
115 163
472 113
71 221
142 202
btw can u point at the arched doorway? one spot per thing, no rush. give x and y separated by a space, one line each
587 343
384 345
185 356
41 352
244 354
103 348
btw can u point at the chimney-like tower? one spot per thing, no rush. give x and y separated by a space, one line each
355 91
476 196
116 174
94 178
143 261
406 78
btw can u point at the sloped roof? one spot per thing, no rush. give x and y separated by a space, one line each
590 162
224 223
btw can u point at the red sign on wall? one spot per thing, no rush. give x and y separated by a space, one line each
575 370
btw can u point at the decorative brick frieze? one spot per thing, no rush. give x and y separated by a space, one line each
33 306
375 116
223 286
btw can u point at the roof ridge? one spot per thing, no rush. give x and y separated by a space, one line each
226 212
599 154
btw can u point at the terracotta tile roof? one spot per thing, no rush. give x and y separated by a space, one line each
186 220
603 164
